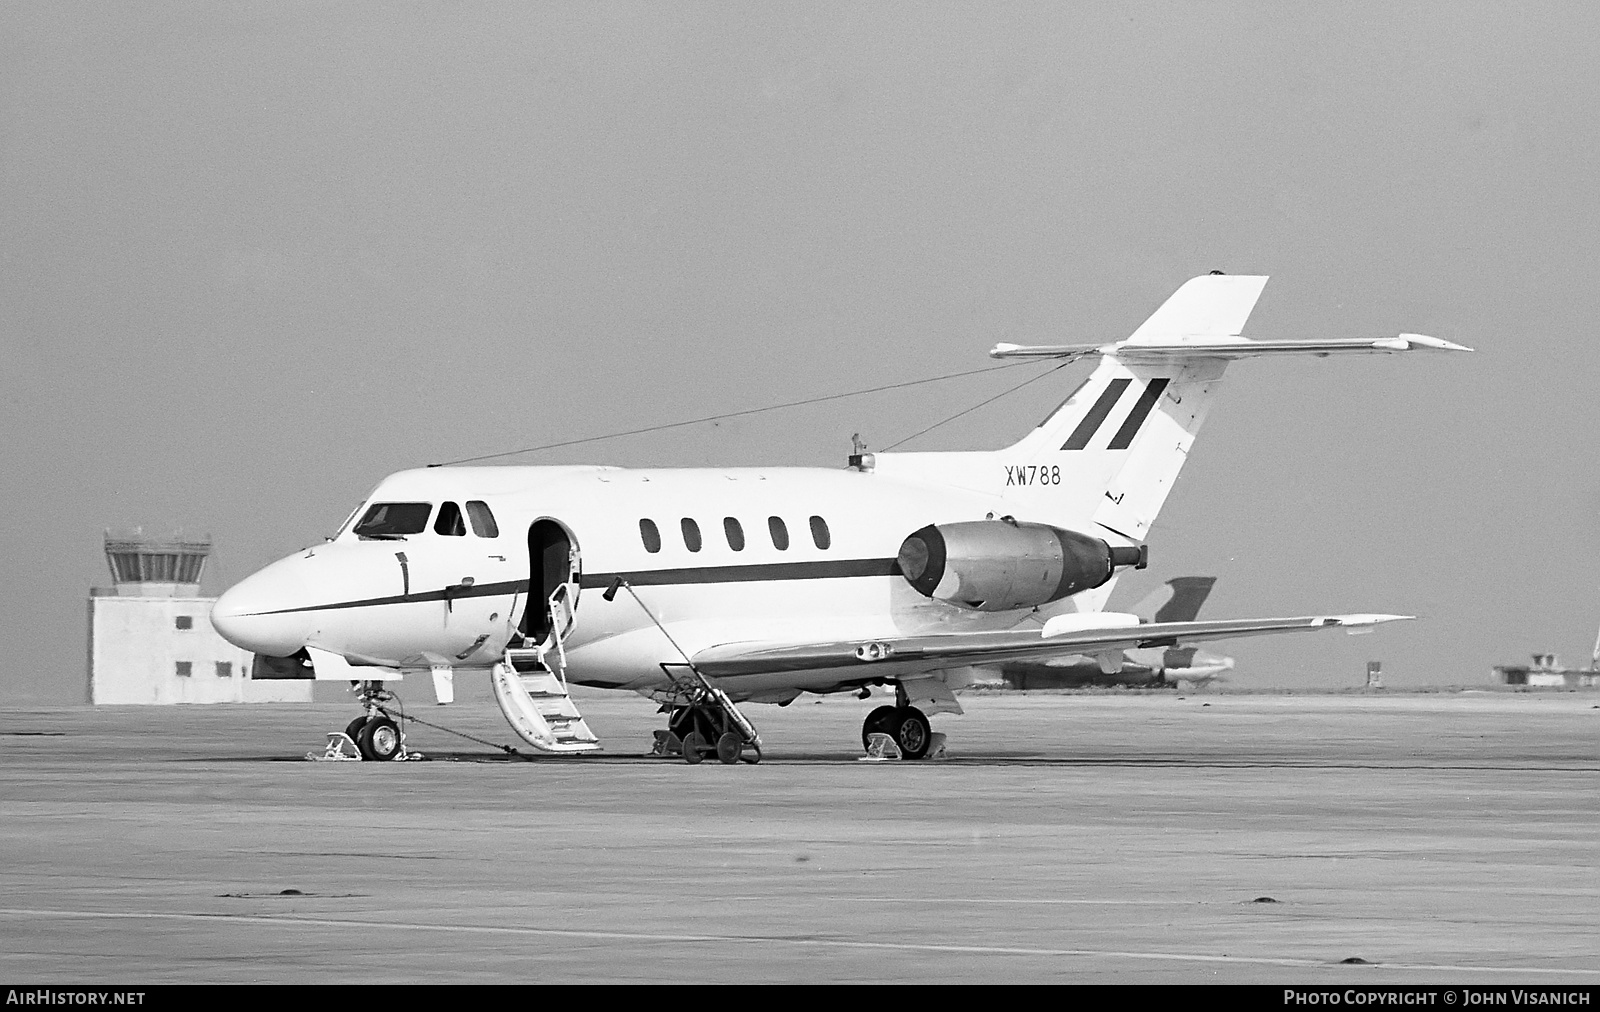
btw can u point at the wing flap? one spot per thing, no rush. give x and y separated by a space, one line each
944 650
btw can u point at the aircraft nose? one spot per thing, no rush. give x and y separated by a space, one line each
258 613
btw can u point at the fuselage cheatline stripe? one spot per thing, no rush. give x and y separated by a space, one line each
1136 417
825 570
1096 417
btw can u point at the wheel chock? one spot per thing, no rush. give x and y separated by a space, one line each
666 744
881 748
335 750
341 749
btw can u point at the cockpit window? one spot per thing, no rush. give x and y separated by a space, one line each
450 522
394 519
483 524
347 522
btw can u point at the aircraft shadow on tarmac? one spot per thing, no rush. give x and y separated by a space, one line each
1572 763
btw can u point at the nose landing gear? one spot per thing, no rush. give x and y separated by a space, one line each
374 736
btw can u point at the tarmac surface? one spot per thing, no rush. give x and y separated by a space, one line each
1440 838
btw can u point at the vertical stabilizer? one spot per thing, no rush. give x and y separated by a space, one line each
1113 449
1177 600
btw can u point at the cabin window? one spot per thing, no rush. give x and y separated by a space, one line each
780 533
184 669
691 534
184 622
450 522
224 669
483 524
650 534
394 519
819 533
735 532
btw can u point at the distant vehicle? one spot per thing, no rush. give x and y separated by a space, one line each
702 588
1177 600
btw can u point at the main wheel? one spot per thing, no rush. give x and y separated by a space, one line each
913 735
379 739
878 721
729 747
694 746
353 729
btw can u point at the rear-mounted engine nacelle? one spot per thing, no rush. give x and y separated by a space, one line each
999 565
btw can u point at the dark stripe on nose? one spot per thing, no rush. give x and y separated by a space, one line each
1136 417
1097 415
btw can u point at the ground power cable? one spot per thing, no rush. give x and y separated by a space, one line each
755 411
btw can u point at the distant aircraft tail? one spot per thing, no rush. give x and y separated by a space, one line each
1177 600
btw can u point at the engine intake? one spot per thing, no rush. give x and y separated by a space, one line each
1000 565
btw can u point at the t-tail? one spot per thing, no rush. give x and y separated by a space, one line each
1104 462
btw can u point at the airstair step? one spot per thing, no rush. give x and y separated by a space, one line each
537 706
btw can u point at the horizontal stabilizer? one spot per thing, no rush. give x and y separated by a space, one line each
1228 348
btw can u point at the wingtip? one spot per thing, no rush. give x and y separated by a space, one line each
1438 343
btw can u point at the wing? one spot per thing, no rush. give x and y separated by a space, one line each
894 656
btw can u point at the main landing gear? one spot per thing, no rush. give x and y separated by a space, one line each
906 724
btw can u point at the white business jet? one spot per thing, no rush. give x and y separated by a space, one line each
702 588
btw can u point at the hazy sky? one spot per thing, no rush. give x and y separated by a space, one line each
253 257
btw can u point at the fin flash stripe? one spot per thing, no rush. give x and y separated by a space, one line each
1136 417
1096 417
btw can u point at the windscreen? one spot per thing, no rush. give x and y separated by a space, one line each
394 519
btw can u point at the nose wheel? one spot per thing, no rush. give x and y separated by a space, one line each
380 740
375 736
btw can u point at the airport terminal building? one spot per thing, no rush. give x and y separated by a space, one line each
150 634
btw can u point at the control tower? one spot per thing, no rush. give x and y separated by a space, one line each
150 634
149 567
